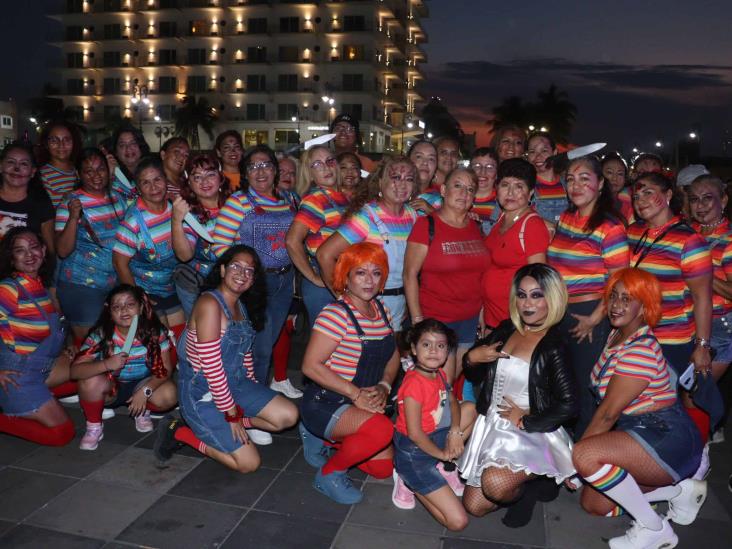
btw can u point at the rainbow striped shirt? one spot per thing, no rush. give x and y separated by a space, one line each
549 190
334 323
57 182
237 206
360 227
679 256
90 264
203 257
639 357
22 326
151 273
585 259
321 211
484 206
720 242
136 367
625 206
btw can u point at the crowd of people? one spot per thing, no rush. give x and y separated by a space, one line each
483 331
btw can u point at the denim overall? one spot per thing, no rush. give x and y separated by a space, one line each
322 408
34 367
157 258
667 435
414 465
395 250
194 395
265 232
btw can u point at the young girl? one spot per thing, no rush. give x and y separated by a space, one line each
108 377
428 425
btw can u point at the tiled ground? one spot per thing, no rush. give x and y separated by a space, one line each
116 497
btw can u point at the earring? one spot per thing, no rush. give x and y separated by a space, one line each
381 195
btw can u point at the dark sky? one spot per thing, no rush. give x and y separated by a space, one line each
638 71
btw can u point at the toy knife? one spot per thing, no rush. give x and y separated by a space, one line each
127 347
196 226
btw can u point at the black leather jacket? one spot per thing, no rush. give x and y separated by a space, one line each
552 388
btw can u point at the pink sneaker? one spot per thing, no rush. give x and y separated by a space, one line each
143 423
401 496
452 478
94 433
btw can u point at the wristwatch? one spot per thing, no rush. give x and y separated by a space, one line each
147 391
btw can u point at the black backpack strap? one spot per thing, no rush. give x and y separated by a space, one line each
430 230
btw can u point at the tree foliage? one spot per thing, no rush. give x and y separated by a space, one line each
194 113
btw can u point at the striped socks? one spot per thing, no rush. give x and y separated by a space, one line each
618 485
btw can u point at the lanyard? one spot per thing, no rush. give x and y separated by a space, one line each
644 239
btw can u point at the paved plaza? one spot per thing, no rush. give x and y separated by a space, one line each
116 497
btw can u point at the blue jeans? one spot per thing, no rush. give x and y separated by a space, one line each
279 295
315 299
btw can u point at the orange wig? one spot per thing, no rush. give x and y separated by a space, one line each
641 285
356 255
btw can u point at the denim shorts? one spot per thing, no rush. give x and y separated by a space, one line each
418 469
669 437
465 330
30 394
125 390
722 338
397 305
81 305
320 410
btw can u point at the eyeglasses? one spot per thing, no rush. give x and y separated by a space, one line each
344 128
705 200
483 167
260 166
240 269
55 141
320 165
129 306
200 177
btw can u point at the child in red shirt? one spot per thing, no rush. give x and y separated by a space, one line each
428 426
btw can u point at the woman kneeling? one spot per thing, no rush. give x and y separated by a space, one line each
219 398
640 442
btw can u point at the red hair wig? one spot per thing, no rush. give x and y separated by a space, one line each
643 286
356 255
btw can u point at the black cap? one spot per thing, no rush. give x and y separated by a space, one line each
345 118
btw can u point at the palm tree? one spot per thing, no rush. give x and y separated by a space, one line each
193 114
513 110
557 112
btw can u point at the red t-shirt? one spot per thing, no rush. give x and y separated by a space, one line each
431 393
451 272
506 256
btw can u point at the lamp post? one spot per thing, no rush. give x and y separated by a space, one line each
159 131
139 95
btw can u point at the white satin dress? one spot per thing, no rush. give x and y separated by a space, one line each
496 442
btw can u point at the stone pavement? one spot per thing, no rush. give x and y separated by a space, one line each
116 497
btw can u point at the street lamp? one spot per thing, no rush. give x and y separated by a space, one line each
659 144
692 135
139 95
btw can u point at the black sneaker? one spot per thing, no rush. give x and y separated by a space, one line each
165 444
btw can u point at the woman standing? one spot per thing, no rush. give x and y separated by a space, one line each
230 149
218 401
520 237
319 215
32 358
352 360
380 214
589 245
509 141
143 252
443 265
22 205
349 168
550 196
87 221
424 156
203 194
527 393
129 148
259 216
174 155
484 162
61 145
615 172
640 446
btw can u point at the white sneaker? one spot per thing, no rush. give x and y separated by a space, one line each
71 399
108 413
259 437
704 465
639 537
143 423
286 388
683 508
718 436
94 433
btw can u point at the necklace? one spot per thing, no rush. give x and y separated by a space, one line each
532 328
712 226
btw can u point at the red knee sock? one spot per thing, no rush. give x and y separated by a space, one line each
373 436
77 341
281 351
30 429
177 330
186 436
67 388
701 420
377 468
92 410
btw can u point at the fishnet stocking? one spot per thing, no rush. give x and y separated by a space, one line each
499 486
349 422
616 448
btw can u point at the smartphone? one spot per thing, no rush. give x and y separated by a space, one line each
687 378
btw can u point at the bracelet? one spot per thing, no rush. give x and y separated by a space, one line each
417 319
704 343
386 385
236 418
458 433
